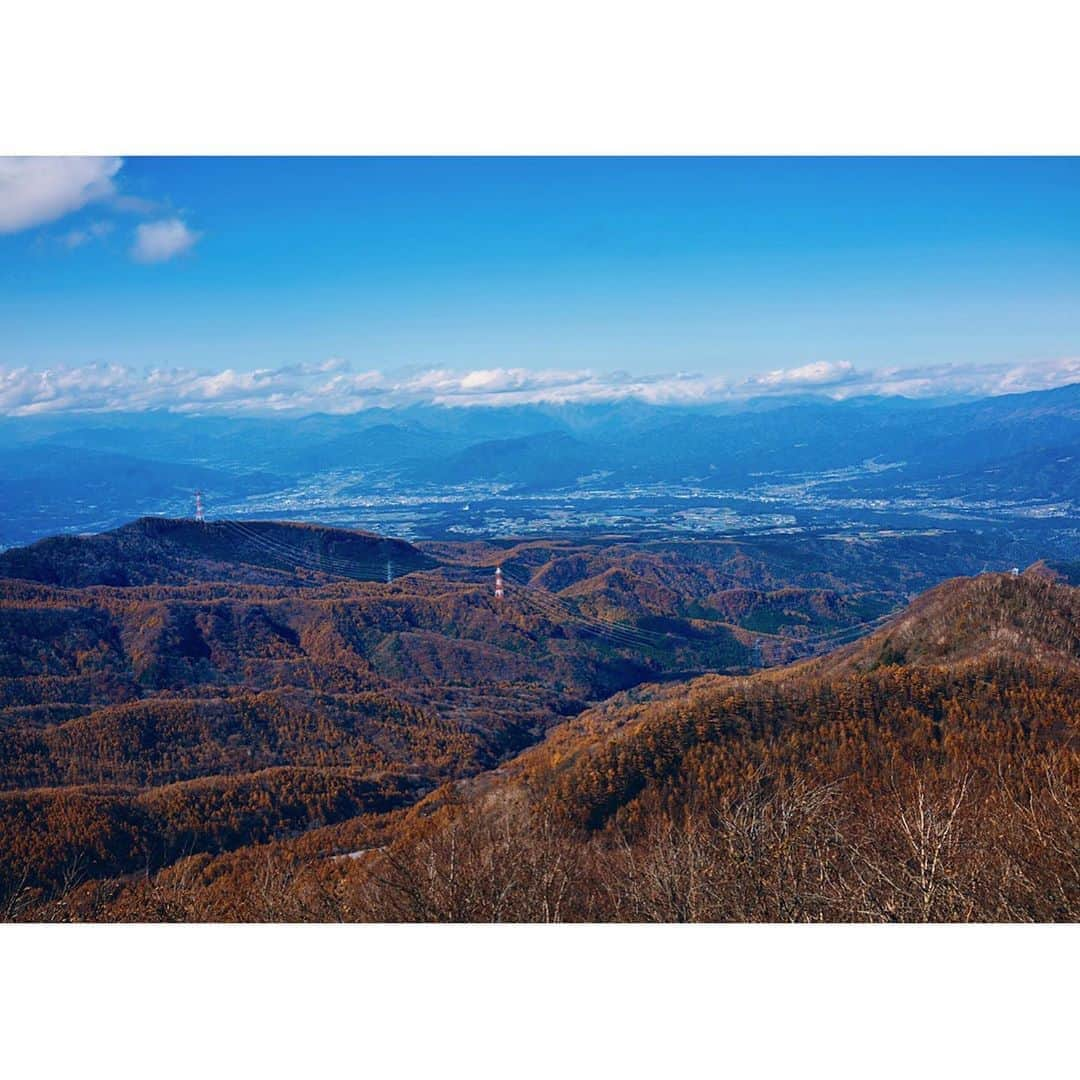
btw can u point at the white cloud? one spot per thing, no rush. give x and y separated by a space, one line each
818 374
96 230
330 386
158 241
37 190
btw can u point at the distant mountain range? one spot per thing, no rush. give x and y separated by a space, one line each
59 474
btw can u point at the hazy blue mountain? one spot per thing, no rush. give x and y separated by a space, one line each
48 488
792 455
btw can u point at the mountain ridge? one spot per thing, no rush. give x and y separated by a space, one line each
158 724
162 550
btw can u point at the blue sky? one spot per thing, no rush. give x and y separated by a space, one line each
723 268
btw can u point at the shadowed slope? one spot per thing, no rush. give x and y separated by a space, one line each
180 551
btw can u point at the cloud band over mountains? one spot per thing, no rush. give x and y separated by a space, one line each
333 387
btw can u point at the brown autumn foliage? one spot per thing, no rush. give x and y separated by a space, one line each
850 789
958 847
233 751
136 664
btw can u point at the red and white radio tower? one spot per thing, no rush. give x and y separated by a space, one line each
198 507
498 583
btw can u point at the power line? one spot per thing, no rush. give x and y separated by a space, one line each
290 555
837 637
548 605
556 607
294 558
558 615
316 561
553 603
561 602
553 606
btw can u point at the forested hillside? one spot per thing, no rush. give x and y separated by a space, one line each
346 750
175 687
929 772
177 551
